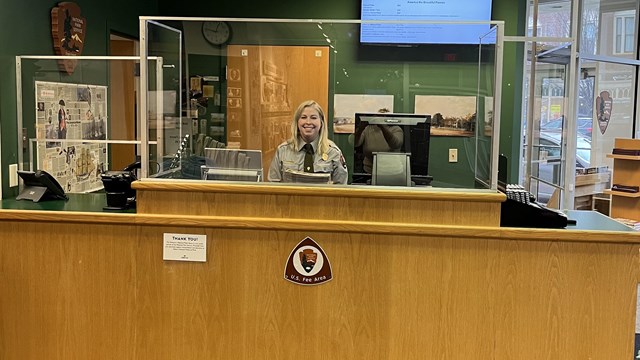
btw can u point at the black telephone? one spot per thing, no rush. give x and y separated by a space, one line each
134 165
40 185
521 210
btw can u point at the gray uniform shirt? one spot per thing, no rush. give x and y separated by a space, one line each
333 162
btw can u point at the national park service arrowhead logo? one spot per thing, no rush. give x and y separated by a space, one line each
68 29
604 107
308 264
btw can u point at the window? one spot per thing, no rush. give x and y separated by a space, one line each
624 26
589 35
538 30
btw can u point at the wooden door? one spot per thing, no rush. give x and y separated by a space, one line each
265 84
122 121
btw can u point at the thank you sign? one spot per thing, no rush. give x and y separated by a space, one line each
185 247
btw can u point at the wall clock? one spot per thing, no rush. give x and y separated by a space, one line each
216 32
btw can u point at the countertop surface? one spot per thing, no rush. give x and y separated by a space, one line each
92 202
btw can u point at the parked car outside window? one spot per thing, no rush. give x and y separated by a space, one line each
549 148
585 126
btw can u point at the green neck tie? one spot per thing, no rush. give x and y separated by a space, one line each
308 158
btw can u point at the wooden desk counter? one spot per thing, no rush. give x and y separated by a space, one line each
94 285
356 203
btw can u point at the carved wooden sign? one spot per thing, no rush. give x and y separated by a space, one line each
68 29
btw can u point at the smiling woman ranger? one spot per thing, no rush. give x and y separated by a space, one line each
309 148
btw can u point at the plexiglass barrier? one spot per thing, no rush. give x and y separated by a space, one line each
77 116
236 83
486 145
163 121
241 81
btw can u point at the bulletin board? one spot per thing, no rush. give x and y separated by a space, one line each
67 114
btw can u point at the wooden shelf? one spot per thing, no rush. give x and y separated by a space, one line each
622 193
626 170
623 157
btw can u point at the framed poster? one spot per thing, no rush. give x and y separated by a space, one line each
450 115
68 118
347 105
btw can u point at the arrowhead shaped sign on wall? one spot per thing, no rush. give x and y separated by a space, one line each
604 107
68 30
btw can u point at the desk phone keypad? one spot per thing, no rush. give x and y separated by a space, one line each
522 210
518 193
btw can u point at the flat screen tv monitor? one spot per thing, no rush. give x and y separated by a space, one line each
443 10
390 132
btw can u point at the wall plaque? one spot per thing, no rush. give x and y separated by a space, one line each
68 30
604 107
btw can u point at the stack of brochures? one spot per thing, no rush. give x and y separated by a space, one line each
592 170
634 224
293 176
630 152
625 188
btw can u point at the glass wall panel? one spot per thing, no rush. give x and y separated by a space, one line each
608 28
546 96
606 42
614 95
165 99
554 19
486 129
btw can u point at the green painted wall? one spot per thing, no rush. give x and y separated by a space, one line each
26 30
286 9
514 14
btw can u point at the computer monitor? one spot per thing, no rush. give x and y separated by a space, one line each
407 133
232 164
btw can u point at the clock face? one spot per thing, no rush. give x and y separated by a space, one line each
216 32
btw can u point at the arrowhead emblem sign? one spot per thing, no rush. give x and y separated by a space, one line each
604 107
308 264
68 31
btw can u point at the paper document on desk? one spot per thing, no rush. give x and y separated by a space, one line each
306 177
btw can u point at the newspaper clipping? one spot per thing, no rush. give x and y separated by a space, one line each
70 119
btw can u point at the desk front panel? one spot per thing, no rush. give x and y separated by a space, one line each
440 207
84 291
